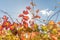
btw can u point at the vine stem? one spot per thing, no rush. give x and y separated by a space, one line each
53 15
57 17
52 10
7 14
33 13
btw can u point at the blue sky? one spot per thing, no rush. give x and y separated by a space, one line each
15 7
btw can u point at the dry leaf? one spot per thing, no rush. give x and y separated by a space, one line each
37 11
37 16
32 4
28 7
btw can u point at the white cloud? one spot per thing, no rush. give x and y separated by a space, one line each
47 12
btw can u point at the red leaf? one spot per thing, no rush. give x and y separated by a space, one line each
54 38
25 12
6 24
12 27
5 18
25 18
21 15
28 7
25 24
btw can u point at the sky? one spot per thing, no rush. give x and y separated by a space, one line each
15 7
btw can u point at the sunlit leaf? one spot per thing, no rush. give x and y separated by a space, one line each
44 28
51 22
25 18
54 31
15 24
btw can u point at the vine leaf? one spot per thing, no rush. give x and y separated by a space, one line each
28 7
25 12
32 4
37 11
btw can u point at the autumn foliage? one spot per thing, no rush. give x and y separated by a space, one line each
27 29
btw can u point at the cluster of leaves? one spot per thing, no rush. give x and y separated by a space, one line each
17 31
22 31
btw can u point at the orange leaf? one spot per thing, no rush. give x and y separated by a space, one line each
6 24
33 35
25 18
51 22
25 24
53 37
1 27
0 32
23 38
15 24
12 27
